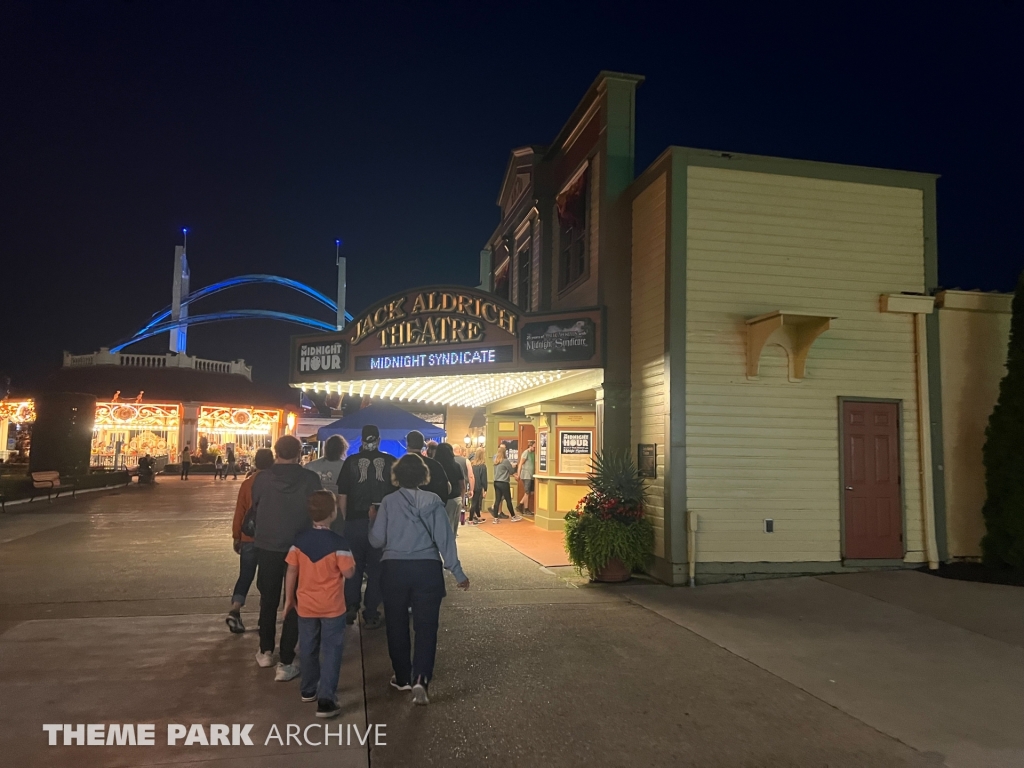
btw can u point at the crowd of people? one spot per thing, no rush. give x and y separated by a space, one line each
317 533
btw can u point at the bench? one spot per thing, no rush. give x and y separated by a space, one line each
50 483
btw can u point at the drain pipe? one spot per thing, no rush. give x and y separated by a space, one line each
919 306
924 424
691 545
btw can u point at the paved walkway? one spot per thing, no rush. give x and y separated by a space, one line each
111 611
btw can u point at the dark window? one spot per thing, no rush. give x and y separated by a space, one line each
502 274
524 265
572 232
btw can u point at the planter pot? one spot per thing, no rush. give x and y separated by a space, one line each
615 571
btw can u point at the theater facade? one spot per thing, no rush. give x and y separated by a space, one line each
760 333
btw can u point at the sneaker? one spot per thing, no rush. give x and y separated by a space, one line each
309 698
234 622
517 518
327 708
375 623
399 686
519 507
265 658
495 521
350 617
419 692
286 672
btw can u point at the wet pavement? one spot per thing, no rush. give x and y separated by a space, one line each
111 611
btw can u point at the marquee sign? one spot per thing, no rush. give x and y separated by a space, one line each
444 331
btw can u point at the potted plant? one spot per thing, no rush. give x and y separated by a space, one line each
608 535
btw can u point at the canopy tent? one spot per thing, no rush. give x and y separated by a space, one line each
394 424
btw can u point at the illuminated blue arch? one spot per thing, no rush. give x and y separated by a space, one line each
231 314
233 282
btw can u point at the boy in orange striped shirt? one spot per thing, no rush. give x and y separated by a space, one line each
318 564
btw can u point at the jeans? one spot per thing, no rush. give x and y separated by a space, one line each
419 584
502 490
271 569
246 572
321 644
184 470
367 561
452 508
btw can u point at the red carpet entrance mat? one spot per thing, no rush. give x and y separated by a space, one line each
544 547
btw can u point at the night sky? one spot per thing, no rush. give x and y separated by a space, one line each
270 130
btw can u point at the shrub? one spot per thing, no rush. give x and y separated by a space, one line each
1003 543
609 522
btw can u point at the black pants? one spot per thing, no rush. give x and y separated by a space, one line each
476 504
270 571
367 561
418 584
502 490
184 469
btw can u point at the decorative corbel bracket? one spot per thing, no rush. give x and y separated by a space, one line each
795 332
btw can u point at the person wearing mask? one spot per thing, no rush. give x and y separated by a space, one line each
279 496
243 545
525 474
503 484
479 470
186 461
365 479
329 467
445 456
411 527
438 482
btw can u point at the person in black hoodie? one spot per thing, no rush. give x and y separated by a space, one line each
279 496
363 481
438 483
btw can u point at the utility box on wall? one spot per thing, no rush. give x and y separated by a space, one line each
62 433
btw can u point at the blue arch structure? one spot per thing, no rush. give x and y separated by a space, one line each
215 317
233 282
160 322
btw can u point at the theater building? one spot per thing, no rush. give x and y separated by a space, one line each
759 332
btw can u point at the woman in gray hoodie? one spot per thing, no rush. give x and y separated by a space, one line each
412 528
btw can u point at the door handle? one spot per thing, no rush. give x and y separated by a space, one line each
849 487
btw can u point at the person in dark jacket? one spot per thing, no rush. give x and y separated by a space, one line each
479 469
445 456
279 496
363 481
438 482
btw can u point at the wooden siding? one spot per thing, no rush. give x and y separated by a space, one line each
647 349
770 448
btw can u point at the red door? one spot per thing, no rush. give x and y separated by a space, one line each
873 509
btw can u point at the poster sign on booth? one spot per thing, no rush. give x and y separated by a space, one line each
575 449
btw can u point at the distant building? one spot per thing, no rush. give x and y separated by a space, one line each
163 403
